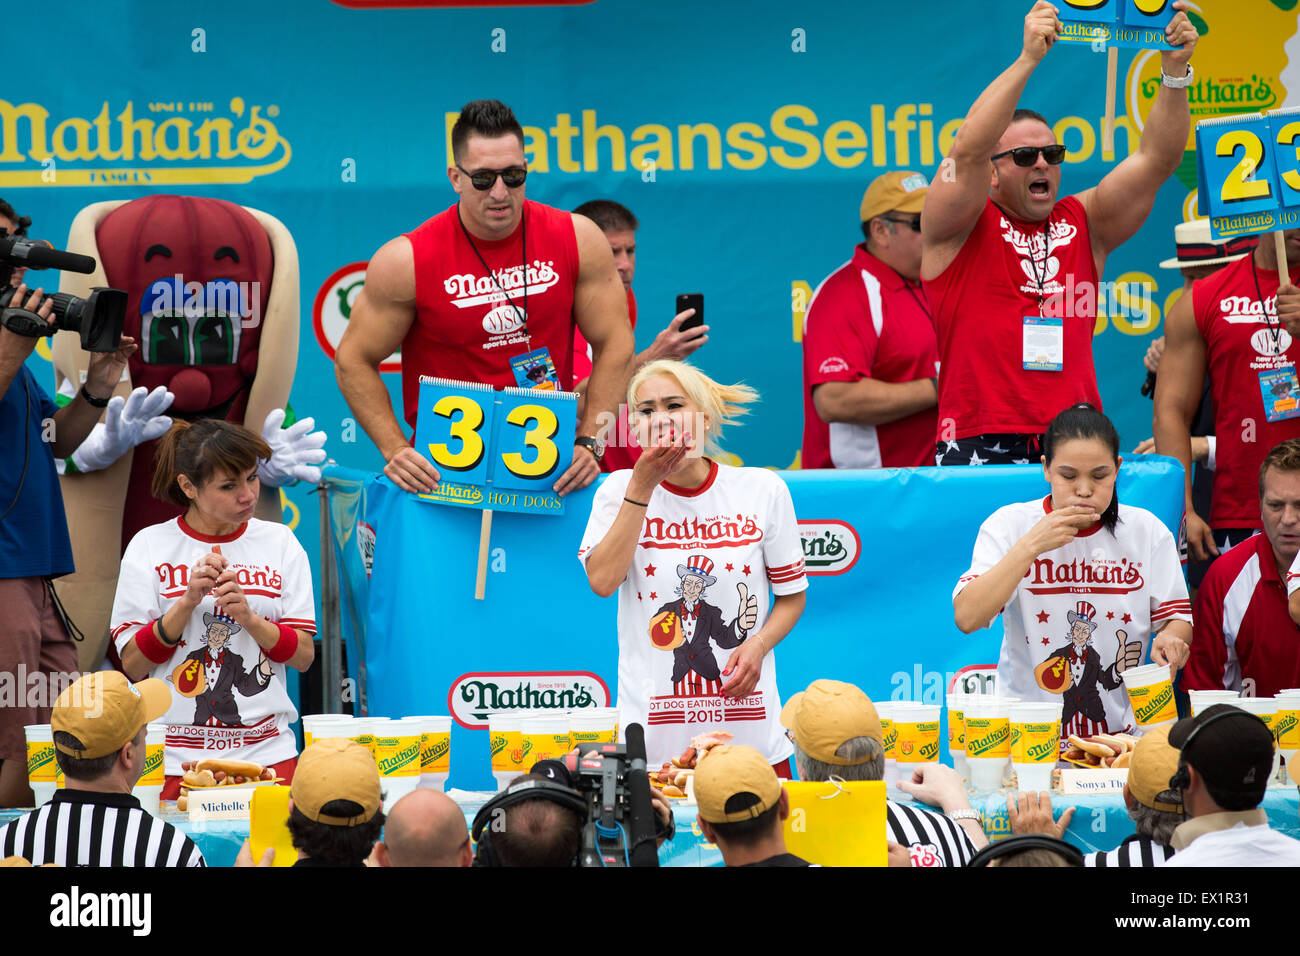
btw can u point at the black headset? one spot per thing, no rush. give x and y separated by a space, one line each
1028 841
518 792
1182 779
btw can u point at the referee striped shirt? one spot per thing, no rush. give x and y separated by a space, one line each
1134 851
84 828
932 838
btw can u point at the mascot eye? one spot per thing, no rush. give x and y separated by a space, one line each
168 340
213 342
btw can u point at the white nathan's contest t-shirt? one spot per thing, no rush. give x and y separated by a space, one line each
221 704
702 552
1082 603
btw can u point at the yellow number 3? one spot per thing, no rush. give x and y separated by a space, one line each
538 437
464 430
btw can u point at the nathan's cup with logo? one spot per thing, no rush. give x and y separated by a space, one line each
917 732
1266 709
1151 694
1286 730
321 726
957 734
435 751
1201 699
507 742
397 754
42 770
593 725
150 786
1035 742
546 737
988 740
885 711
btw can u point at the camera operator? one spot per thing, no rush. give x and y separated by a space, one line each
34 545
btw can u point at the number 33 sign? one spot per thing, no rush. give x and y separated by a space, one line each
1248 172
496 450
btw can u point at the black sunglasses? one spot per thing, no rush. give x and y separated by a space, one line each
512 176
1028 155
914 223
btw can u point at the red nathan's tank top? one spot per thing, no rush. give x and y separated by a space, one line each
979 304
1240 343
464 327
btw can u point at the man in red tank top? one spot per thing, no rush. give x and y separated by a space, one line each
1011 273
493 278
1241 326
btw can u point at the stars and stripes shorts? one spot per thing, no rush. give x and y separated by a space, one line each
990 449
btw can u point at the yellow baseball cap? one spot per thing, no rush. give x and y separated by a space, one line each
105 711
336 768
827 714
727 771
1153 762
903 191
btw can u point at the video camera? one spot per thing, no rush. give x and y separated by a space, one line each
619 829
98 319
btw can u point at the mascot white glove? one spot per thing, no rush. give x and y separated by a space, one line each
127 422
295 451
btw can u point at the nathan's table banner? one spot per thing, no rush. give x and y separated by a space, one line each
1248 172
883 550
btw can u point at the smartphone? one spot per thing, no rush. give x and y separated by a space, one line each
690 300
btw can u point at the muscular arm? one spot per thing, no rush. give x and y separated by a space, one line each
870 401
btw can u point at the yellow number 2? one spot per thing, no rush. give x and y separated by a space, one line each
538 437
464 430
1237 188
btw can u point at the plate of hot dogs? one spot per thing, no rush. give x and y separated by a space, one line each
675 777
1100 751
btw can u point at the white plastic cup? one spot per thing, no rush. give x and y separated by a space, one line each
957 734
594 725
435 751
42 769
1201 699
505 738
314 724
1287 730
1151 696
918 738
545 738
988 740
885 711
1035 742
1265 708
397 757
150 786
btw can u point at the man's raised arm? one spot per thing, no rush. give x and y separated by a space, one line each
957 195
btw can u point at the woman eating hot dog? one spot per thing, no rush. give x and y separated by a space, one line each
708 568
218 603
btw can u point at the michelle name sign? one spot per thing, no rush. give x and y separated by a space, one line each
496 449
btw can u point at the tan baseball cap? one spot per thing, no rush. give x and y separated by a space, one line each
828 713
903 191
1153 762
336 768
105 711
727 771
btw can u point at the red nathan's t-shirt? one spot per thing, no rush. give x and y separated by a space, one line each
1239 345
464 327
621 448
979 304
867 321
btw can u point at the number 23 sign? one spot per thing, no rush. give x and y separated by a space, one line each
1248 172
495 449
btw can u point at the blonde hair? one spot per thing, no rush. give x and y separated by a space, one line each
723 404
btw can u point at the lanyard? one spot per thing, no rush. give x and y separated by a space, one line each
523 225
920 303
1274 326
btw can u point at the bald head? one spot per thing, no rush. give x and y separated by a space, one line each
426 828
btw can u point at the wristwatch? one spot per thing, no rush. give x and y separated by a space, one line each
1177 82
594 445
968 814
92 401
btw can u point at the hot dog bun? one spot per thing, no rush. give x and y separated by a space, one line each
1088 747
1117 744
232 768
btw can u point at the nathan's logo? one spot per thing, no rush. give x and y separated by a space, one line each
1047 576
498 743
890 733
722 531
181 143
1147 710
988 743
468 290
153 759
40 758
406 757
473 696
829 547
447 491
1216 96
332 310
438 747
1284 723
929 750
1040 752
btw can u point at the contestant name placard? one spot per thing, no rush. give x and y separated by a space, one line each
495 448
1131 24
1248 172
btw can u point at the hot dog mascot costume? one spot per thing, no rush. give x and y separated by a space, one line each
186 263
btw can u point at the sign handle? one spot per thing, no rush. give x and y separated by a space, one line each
485 532
1108 122
1283 270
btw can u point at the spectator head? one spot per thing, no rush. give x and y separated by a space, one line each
533 822
709 406
1027 192
201 463
1197 255
1032 850
1087 445
1279 501
1225 760
1156 808
99 724
12 224
891 214
425 828
335 803
619 225
836 730
741 804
